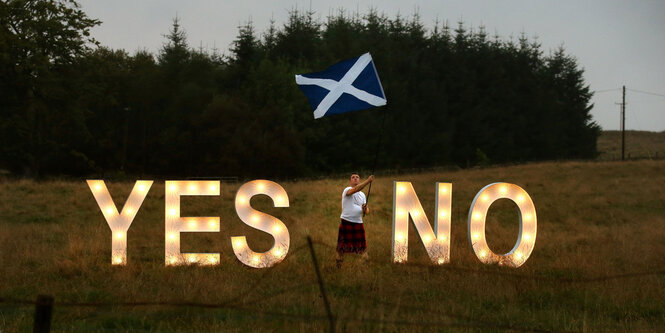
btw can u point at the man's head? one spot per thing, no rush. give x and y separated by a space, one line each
354 179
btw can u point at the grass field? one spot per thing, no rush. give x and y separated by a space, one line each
595 219
639 144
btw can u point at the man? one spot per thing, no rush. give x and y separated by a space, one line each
351 237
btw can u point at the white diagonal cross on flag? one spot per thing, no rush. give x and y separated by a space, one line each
337 88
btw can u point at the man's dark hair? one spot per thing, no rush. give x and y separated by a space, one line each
354 173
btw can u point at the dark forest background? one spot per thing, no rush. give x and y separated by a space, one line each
456 96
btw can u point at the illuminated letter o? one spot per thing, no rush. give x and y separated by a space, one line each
527 218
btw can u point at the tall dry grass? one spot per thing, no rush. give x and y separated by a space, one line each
594 219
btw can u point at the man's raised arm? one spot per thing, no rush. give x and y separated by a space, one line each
360 186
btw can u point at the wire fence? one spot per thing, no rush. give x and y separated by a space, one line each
634 156
45 304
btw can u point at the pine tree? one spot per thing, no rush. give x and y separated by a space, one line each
245 47
175 52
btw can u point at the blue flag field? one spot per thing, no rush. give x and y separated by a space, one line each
349 85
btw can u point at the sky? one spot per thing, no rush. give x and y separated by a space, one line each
617 43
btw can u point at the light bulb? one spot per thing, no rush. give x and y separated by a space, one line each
117 260
255 218
141 187
173 187
192 259
241 200
109 210
212 260
192 224
443 214
192 188
476 236
277 228
441 261
527 236
173 212
503 189
129 210
401 189
520 198
518 255
172 236
400 237
98 187
477 215
278 252
527 217
443 190
427 239
279 199
482 254
415 213
484 197
213 187
442 238
212 223
238 243
260 187
256 259
119 235
173 260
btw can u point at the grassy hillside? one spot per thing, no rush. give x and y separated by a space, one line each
639 144
594 219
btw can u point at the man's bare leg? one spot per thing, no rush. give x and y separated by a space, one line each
339 259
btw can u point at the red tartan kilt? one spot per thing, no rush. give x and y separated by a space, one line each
351 237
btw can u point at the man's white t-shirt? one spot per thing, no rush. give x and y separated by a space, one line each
352 206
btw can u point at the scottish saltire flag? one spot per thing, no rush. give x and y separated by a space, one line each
349 85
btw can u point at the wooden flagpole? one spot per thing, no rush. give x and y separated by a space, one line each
376 153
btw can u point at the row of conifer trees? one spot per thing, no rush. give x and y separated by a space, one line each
456 96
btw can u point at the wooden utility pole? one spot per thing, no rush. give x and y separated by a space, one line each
623 124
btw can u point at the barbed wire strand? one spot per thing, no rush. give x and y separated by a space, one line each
469 322
302 317
448 267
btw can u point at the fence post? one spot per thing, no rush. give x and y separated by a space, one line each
323 290
585 327
43 312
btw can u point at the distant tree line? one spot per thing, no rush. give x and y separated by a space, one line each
455 96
